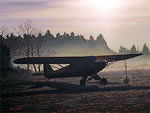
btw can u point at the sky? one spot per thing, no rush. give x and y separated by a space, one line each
122 22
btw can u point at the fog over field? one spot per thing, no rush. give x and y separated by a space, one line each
65 28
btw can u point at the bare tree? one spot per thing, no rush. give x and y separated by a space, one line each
27 30
33 43
4 31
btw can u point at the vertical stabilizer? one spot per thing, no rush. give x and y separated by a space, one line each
48 69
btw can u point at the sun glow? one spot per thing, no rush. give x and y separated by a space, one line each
104 5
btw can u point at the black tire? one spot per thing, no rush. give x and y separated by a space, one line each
82 82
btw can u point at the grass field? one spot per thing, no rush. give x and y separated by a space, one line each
66 96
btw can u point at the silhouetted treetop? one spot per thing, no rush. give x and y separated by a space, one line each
100 39
91 38
72 34
133 49
145 49
124 50
48 35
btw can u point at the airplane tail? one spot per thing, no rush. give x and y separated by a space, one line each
48 69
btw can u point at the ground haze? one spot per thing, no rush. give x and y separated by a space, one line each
65 95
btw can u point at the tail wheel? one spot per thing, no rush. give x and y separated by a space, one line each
103 81
82 82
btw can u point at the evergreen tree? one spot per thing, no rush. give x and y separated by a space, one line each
91 41
145 50
1 38
91 38
72 34
100 40
123 50
133 49
58 36
49 35
5 64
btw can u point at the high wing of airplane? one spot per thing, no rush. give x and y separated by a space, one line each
83 66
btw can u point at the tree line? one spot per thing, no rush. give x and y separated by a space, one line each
145 50
30 42
41 45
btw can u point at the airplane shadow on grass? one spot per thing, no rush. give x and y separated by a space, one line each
67 88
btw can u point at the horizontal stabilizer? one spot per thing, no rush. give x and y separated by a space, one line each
37 74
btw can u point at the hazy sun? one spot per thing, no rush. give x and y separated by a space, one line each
104 5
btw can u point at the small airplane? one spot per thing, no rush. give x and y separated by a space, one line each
83 66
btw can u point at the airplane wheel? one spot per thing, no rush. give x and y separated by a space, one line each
82 82
103 81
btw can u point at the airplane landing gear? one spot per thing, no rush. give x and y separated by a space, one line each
103 81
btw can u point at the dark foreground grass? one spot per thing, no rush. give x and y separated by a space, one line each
64 97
